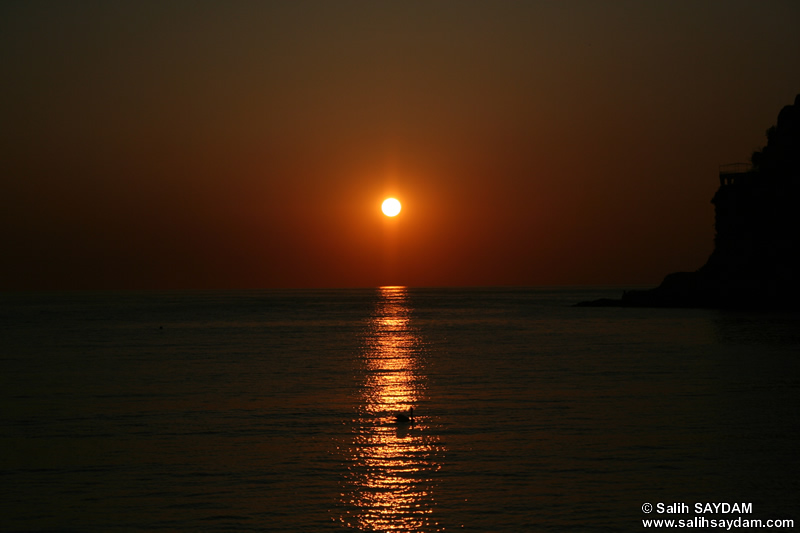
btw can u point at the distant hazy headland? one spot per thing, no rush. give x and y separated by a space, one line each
755 258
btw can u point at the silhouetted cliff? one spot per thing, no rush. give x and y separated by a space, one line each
756 248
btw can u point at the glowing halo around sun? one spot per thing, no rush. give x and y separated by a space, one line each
391 207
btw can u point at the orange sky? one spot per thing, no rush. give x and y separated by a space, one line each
250 144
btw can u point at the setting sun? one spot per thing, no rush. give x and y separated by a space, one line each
391 207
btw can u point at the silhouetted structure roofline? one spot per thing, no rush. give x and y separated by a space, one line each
729 172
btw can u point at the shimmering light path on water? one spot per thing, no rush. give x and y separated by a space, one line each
391 473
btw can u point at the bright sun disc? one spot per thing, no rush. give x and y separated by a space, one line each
391 207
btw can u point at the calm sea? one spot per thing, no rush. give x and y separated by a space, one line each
274 411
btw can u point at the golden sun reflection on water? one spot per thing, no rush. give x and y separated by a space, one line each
391 468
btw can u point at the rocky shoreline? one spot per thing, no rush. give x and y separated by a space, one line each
756 258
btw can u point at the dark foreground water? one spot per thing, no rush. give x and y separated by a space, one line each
274 411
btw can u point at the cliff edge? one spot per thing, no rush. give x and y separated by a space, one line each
756 257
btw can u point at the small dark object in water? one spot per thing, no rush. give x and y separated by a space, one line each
402 418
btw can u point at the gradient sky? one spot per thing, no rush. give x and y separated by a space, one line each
250 144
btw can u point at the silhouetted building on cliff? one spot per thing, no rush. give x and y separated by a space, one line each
756 257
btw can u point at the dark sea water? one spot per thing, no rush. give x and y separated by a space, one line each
274 411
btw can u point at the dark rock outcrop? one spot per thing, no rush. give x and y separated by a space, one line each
756 257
